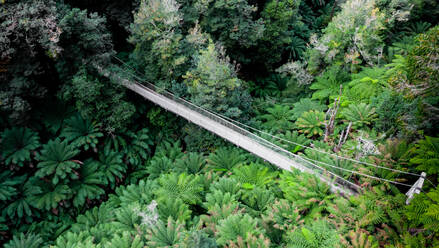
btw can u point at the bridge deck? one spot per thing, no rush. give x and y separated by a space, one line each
219 128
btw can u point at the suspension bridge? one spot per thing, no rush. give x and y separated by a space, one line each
229 130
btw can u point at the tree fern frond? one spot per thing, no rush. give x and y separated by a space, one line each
81 132
56 160
17 144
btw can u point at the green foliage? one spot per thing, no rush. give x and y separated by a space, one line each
237 227
311 123
7 189
257 201
56 161
158 166
365 84
25 49
360 115
279 219
214 85
81 132
183 186
306 191
218 199
305 105
253 175
231 23
175 209
50 196
395 113
84 38
142 192
426 156
99 99
226 185
17 145
224 159
192 163
281 21
166 234
112 167
89 184
278 118
139 146
296 138
423 210
328 84
318 234
29 240
21 204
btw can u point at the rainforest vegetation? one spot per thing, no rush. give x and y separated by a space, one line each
87 163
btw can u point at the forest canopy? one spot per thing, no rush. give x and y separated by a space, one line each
350 86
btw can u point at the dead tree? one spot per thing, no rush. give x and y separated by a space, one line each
331 113
343 137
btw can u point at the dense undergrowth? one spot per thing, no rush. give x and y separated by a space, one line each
85 163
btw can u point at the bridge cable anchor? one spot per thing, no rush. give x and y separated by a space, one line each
416 188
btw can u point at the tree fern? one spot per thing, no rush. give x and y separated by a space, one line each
423 210
218 198
327 85
112 167
311 123
50 196
186 187
366 84
316 235
280 218
305 105
21 205
89 184
192 163
81 132
174 208
166 234
158 166
278 117
224 159
237 227
306 191
360 115
93 217
22 240
7 183
227 185
56 160
141 192
297 138
125 240
426 156
257 200
171 150
17 144
253 175
138 148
